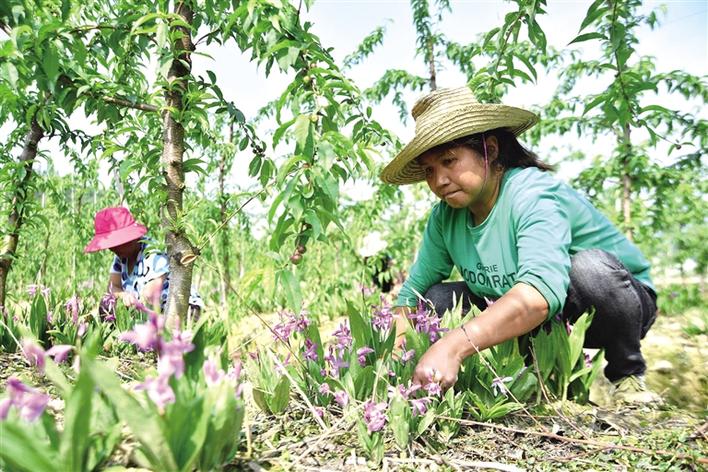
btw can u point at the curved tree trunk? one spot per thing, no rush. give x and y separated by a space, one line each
179 249
14 221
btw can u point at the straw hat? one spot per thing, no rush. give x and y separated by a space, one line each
447 114
113 227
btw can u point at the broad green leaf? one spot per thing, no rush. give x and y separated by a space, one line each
23 451
281 396
77 418
50 65
291 285
144 423
361 330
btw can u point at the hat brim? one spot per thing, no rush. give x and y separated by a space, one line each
115 238
472 119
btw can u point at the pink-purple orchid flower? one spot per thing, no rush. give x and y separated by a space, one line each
29 402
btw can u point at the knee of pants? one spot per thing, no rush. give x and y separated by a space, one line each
597 272
438 295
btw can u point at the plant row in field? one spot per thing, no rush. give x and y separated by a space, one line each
187 410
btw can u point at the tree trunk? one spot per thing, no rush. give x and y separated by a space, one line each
431 64
180 251
627 183
14 221
225 262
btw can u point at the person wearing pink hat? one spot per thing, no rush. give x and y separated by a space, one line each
135 274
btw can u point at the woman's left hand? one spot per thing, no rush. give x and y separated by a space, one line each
440 364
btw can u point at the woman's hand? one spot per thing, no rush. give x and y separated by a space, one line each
440 363
129 299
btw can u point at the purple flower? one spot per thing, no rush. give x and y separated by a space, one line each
300 323
499 387
5 405
59 352
140 306
341 397
310 350
282 331
34 354
32 289
433 389
159 391
324 389
46 291
588 361
171 360
33 405
568 328
375 415
49 316
406 355
427 322
290 323
403 390
30 402
366 291
234 376
143 335
336 361
419 405
82 329
319 411
362 353
72 307
212 374
107 307
146 336
344 337
382 318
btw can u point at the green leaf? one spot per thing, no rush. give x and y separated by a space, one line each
186 423
361 330
22 451
77 418
50 65
399 421
587 37
301 131
279 401
594 102
593 13
291 285
144 423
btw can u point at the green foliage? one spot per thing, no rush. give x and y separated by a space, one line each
89 435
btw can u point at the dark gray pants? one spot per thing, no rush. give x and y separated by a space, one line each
625 308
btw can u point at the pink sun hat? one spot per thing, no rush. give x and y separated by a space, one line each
112 227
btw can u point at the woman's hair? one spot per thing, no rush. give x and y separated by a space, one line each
511 152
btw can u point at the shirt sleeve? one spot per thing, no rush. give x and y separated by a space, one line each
116 266
543 242
432 266
158 265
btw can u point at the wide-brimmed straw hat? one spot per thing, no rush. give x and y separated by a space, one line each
112 227
445 115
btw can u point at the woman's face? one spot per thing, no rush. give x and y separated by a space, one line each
456 175
127 250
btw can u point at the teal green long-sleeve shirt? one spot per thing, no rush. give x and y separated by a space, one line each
535 226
